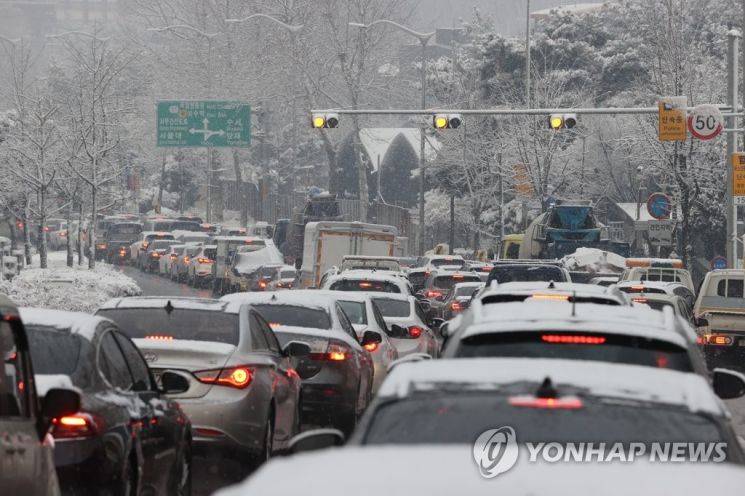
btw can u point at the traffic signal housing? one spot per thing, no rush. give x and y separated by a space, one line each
325 121
562 121
447 121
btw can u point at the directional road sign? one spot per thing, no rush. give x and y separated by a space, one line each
204 124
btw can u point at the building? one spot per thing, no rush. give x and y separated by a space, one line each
37 18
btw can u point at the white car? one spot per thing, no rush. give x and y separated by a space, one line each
559 291
165 262
368 281
444 262
407 323
199 272
659 287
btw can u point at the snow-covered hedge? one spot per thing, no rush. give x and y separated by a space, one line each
63 288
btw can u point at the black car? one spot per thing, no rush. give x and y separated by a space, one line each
149 259
438 285
26 456
118 239
126 438
529 271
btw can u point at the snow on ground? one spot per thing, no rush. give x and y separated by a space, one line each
64 288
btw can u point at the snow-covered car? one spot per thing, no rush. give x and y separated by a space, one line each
558 291
368 281
407 322
338 373
633 288
657 270
150 257
199 272
246 262
659 301
164 266
187 237
443 262
367 262
136 248
285 278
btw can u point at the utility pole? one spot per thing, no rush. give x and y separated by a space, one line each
733 41
527 54
422 228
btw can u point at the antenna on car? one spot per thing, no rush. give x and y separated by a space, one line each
574 303
169 307
551 285
274 297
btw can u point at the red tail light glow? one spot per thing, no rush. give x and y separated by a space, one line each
434 294
203 260
456 307
262 284
550 297
571 339
80 425
365 285
334 353
237 377
415 331
720 340
550 403
186 260
155 337
458 276
371 347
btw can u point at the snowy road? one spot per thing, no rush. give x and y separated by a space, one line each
154 285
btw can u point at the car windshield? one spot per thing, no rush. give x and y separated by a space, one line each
210 253
151 237
454 417
295 316
161 244
598 346
364 285
526 273
450 262
393 308
355 311
178 324
447 282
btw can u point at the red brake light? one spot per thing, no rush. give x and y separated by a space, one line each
486 269
638 289
186 260
571 339
371 347
458 276
415 331
274 324
720 340
237 377
640 300
550 297
334 353
434 294
79 425
455 306
203 260
155 254
155 337
551 403
145 244
262 284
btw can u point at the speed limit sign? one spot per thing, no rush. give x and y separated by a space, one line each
705 122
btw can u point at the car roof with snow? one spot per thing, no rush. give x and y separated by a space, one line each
365 275
80 323
612 380
554 289
450 470
161 301
562 316
301 297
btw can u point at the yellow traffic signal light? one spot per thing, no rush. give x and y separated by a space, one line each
447 121
325 121
562 121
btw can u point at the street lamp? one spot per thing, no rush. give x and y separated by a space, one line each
289 27
423 40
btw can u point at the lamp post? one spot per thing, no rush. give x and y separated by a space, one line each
423 40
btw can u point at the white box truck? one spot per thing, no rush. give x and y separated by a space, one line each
327 242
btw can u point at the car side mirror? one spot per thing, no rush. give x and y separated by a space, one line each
315 440
396 331
444 331
173 382
426 305
728 384
59 403
701 322
437 323
296 349
371 337
419 295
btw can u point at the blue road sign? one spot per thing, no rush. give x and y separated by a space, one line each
718 263
659 206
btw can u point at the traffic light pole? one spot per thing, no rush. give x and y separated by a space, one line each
515 112
422 180
733 40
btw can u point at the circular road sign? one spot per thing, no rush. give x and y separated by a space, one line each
718 263
705 122
659 206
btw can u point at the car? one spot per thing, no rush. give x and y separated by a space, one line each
27 457
227 247
338 374
528 271
149 260
199 272
126 437
438 286
285 278
264 276
559 291
417 277
167 260
658 287
243 392
657 270
119 237
367 262
180 266
658 301
407 320
136 248
605 280
246 262
450 469
368 281
459 298
365 315
443 262
191 237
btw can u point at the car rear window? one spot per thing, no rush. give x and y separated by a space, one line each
393 308
53 351
526 273
295 316
357 285
447 282
452 262
417 278
179 323
356 311
460 417
598 346
466 290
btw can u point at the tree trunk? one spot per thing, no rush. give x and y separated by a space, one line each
242 197
26 234
92 229
68 238
42 229
80 234
161 184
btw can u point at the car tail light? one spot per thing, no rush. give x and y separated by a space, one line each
237 377
371 347
486 269
571 339
637 289
365 285
700 340
415 331
155 254
203 260
640 300
456 306
550 297
550 403
720 340
458 276
280 285
434 294
145 244
62 234
262 284
186 260
101 246
334 353
156 337
80 425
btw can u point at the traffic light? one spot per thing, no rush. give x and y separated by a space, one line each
447 121
562 121
325 121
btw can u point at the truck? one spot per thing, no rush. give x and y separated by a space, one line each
567 226
322 207
326 243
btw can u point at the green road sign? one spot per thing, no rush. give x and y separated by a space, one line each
204 124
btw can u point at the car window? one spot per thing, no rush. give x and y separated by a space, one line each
14 401
56 352
112 363
730 288
137 365
346 325
420 312
270 337
294 315
356 311
379 317
258 340
393 308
